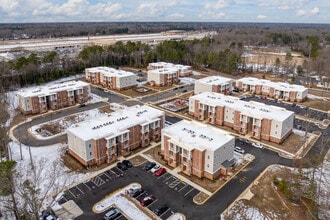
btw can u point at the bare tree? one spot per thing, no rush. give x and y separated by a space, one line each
31 192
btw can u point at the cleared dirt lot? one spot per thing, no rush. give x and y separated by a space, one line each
272 203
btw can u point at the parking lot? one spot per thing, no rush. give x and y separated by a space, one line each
173 184
93 183
166 189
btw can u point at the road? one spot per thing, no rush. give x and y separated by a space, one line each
20 132
177 201
214 206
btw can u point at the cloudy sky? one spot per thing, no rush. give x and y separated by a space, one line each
278 11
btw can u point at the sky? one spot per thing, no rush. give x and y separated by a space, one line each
267 11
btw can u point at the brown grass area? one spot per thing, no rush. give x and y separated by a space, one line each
53 128
133 93
292 144
105 109
318 104
269 200
74 165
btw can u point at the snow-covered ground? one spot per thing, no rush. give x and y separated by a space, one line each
65 123
126 206
187 80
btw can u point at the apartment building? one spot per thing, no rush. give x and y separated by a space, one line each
198 149
163 77
44 98
103 140
182 70
278 90
260 121
216 84
111 78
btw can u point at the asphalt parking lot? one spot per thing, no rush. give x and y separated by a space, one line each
91 184
91 191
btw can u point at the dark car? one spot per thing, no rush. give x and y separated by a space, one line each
113 213
82 105
160 209
135 192
147 200
127 163
121 166
149 165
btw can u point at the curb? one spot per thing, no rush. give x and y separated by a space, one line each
218 189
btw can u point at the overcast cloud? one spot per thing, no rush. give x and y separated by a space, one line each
278 11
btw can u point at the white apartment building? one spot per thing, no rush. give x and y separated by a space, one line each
216 84
56 96
278 90
111 78
103 140
261 121
197 149
183 70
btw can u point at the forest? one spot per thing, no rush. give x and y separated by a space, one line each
223 52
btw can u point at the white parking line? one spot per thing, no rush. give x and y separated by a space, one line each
185 185
87 186
72 193
164 212
167 179
152 202
189 192
174 183
82 193
107 175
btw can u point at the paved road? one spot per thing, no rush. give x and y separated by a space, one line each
182 202
167 94
21 130
299 109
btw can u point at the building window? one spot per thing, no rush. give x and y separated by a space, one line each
208 156
90 153
197 163
208 165
89 145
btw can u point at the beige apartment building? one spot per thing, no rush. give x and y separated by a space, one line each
182 70
277 90
216 84
163 77
260 121
53 97
198 149
111 78
103 140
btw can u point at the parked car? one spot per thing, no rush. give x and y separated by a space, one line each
160 209
135 192
82 105
127 163
155 168
149 165
147 200
112 214
298 126
121 166
258 145
160 172
293 105
239 150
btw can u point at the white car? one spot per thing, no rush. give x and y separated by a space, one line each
239 150
258 145
155 168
